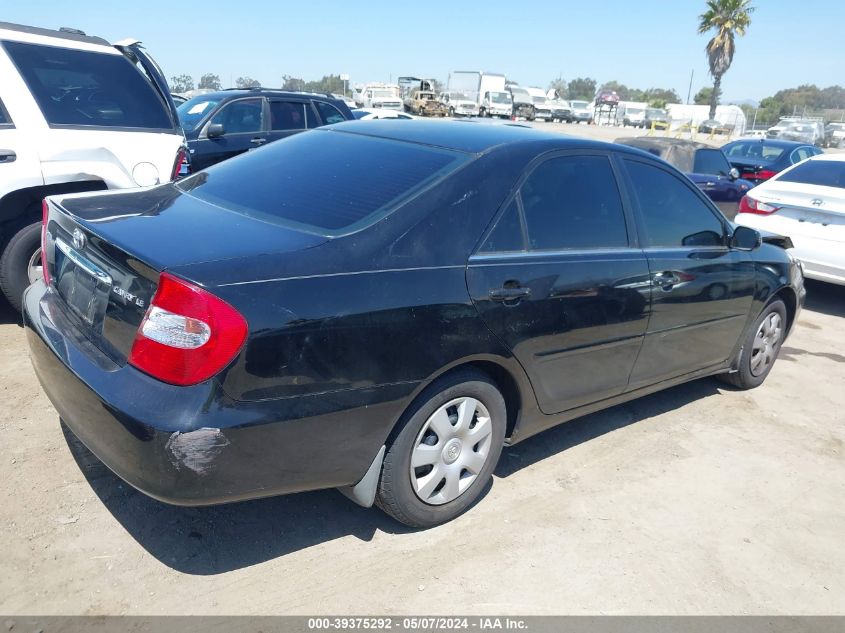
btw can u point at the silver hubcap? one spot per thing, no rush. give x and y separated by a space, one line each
766 342
450 450
33 269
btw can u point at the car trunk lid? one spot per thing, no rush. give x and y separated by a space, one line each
819 213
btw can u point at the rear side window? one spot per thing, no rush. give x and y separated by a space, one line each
673 215
507 235
711 161
573 202
323 182
823 173
74 87
329 113
287 115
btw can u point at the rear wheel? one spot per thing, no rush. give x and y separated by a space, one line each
20 264
760 348
445 451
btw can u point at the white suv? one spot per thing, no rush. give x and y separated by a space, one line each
76 114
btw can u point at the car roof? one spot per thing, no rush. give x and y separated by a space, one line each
771 142
233 93
10 31
471 136
649 142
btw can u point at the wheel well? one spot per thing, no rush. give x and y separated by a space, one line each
15 204
787 295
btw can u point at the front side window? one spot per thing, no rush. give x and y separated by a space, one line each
244 116
75 87
329 113
573 202
673 215
711 161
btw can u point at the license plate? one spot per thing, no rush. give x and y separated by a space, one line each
82 284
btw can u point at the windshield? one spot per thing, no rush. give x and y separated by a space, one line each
655 112
458 95
382 94
285 182
755 150
194 110
539 100
823 173
578 104
634 110
519 92
500 97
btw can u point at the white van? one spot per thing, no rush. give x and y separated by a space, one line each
76 114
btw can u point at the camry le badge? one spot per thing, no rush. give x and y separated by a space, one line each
79 239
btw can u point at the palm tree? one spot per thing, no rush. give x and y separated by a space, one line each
730 18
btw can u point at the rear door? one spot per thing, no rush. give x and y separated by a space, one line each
701 289
138 55
290 116
244 128
560 281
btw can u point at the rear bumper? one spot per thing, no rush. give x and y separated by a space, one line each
194 445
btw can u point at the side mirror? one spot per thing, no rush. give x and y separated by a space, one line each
745 239
734 173
215 130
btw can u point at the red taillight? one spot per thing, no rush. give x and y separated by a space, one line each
188 335
181 159
750 205
45 217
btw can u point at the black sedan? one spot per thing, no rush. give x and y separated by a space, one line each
292 320
759 159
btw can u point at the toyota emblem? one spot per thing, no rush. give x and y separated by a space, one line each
79 239
817 202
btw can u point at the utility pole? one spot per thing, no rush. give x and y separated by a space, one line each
689 91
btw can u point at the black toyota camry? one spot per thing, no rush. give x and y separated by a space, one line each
379 307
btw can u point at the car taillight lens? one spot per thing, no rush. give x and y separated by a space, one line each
750 205
188 335
765 174
181 160
45 217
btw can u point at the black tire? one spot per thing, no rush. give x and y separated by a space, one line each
744 377
452 112
396 495
14 263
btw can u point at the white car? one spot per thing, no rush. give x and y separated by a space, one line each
368 114
77 114
459 104
806 203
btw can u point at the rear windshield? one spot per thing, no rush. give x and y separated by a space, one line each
756 150
74 87
324 182
823 173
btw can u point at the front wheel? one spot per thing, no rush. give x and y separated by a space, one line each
760 348
445 451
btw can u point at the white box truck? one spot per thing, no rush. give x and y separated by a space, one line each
486 89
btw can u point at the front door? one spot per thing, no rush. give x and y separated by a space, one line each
558 281
243 129
701 289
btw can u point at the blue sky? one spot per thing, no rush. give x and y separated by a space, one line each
642 43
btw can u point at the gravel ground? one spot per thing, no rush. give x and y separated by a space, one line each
696 500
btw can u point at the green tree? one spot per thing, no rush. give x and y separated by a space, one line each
247 82
621 89
704 96
209 81
583 88
560 87
729 18
181 83
659 97
292 83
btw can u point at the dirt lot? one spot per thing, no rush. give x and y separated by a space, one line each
699 499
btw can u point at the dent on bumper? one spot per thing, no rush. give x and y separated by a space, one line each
194 445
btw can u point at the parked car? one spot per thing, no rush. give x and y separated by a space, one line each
632 115
759 160
581 112
607 97
458 104
561 111
378 95
834 135
76 114
220 125
498 104
365 324
369 114
706 166
523 103
810 131
807 203
657 119
425 103
712 126
542 109
178 99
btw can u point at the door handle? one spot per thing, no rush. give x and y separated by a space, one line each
7 156
665 280
258 141
506 294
